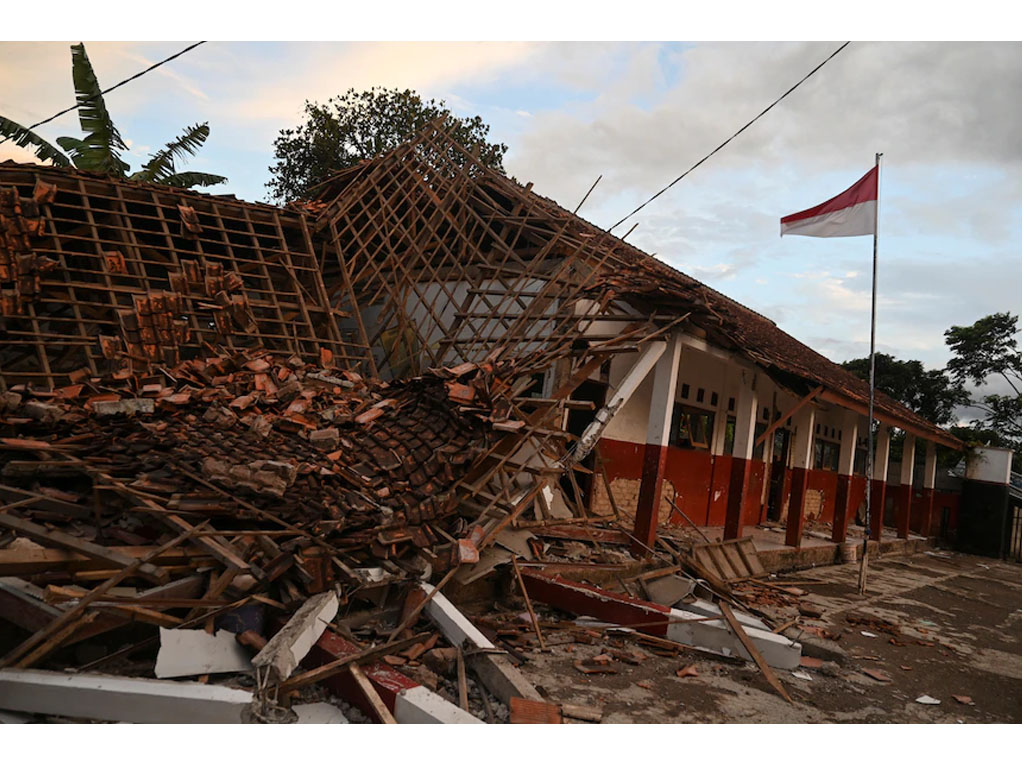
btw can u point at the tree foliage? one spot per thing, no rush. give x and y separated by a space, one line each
981 350
986 348
101 149
358 125
932 394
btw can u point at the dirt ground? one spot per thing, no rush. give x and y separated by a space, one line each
944 625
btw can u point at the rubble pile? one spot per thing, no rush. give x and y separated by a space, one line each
318 447
242 486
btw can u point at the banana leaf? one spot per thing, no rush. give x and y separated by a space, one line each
23 137
161 164
188 179
99 150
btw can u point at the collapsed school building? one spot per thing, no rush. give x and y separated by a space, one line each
379 386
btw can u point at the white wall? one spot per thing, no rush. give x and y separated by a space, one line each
704 370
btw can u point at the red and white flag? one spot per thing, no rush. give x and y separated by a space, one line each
850 213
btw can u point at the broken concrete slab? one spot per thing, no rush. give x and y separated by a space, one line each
121 699
320 713
290 645
669 590
777 650
681 626
496 672
516 540
817 646
707 608
420 705
188 652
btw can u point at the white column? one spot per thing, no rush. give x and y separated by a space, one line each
929 464
629 384
746 416
848 444
907 463
663 393
881 468
802 454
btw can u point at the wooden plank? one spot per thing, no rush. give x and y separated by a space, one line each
460 663
707 563
326 670
732 554
785 417
103 554
529 604
721 562
372 697
749 554
755 654
23 562
45 636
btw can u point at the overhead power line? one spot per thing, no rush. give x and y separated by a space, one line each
741 130
136 76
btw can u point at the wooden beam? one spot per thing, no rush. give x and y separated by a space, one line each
755 654
785 417
936 437
22 562
372 697
316 675
103 554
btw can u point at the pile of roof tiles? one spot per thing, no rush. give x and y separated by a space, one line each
283 478
315 445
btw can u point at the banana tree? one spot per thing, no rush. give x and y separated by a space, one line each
101 148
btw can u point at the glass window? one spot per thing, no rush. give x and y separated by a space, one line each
730 435
691 428
826 455
860 461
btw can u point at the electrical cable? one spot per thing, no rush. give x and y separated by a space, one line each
113 87
720 146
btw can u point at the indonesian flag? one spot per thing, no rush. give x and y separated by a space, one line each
850 213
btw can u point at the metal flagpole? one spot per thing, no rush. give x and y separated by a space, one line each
863 581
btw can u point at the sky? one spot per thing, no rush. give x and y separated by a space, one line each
946 116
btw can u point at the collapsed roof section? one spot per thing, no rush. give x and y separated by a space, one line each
451 260
420 258
100 275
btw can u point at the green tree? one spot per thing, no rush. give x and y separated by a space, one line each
358 125
932 394
984 349
101 148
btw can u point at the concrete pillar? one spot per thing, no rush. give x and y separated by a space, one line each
929 488
802 457
742 450
844 484
881 474
659 423
905 495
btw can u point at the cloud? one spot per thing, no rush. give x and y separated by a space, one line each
319 71
918 102
946 115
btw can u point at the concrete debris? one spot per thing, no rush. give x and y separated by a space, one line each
286 650
320 713
121 699
190 652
